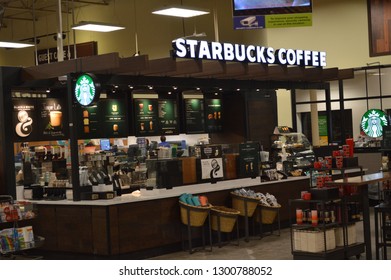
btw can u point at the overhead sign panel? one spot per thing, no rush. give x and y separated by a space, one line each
246 53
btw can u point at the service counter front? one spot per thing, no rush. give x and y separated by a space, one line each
141 226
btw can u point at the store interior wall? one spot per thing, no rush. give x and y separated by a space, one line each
365 84
344 35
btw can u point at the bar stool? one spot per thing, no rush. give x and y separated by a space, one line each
223 221
246 206
195 217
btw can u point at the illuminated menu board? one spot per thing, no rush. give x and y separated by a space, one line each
168 117
113 118
214 115
146 117
194 115
106 119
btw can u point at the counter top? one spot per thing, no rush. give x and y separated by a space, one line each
174 192
363 180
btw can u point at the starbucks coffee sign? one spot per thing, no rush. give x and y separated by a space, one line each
87 89
372 122
228 52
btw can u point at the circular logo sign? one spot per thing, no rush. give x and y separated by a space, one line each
372 122
86 90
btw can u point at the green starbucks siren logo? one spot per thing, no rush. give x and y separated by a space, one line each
372 122
85 90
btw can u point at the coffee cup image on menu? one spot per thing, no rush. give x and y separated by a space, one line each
24 127
55 119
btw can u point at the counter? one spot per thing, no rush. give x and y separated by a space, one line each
144 226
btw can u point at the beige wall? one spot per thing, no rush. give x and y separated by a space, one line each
340 27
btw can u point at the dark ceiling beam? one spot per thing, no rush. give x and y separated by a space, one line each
233 69
104 64
102 3
19 18
210 69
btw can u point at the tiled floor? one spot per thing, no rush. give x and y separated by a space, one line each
268 248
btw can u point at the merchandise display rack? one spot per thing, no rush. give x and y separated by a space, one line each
18 247
325 251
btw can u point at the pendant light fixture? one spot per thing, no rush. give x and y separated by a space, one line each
96 26
181 11
14 45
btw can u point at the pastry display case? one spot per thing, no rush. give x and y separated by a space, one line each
293 147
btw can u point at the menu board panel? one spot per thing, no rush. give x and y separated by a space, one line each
194 115
89 127
112 114
36 119
106 119
214 120
168 117
146 117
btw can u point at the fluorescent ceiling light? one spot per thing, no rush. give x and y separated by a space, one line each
181 11
14 45
96 26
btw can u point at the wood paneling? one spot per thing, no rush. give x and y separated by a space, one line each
74 229
137 226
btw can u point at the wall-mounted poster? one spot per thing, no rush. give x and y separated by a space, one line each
146 117
24 120
168 117
249 159
211 162
194 115
38 119
53 119
214 115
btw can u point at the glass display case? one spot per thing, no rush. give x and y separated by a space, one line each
292 147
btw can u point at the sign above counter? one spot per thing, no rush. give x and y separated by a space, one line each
228 52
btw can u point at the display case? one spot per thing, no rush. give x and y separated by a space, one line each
292 147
